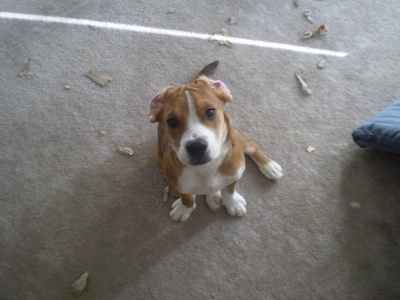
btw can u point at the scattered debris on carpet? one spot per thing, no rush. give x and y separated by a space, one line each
322 64
220 37
307 35
25 68
171 11
125 151
296 3
67 87
224 32
166 193
102 133
80 284
232 21
355 205
217 36
99 78
300 75
321 31
311 149
226 43
307 15
212 37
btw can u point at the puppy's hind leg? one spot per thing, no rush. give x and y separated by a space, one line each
271 169
214 201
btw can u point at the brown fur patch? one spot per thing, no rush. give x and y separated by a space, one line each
188 200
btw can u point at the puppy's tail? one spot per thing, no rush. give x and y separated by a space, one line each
209 69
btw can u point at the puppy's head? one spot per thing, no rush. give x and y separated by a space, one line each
193 119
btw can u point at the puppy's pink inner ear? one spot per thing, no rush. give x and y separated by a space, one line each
155 102
218 84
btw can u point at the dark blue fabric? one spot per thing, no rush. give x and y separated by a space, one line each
382 131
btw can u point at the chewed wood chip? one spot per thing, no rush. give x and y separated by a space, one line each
226 43
311 149
232 20
307 15
25 68
166 193
307 35
221 37
300 75
80 284
125 151
99 78
322 63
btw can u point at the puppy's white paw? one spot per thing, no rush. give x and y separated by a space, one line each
235 205
180 212
271 170
214 201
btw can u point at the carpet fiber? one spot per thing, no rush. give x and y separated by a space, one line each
70 202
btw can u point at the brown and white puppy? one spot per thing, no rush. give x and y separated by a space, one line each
199 150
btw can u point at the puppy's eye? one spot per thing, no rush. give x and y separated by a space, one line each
173 123
210 113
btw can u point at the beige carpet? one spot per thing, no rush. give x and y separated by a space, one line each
70 203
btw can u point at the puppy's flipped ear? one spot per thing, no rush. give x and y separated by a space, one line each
156 105
218 87
221 90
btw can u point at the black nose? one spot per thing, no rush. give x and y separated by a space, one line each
196 148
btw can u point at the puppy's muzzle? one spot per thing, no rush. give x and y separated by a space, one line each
197 151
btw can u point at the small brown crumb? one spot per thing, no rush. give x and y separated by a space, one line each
296 3
80 284
25 68
322 30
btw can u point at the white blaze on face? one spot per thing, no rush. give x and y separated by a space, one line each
195 129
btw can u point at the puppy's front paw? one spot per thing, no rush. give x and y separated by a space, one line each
235 205
214 201
180 212
272 170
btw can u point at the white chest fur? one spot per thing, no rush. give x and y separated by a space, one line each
205 180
